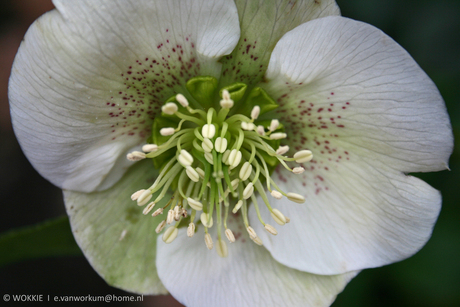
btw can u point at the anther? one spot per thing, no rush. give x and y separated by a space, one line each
271 229
225 156
157 212
209 158
298 170
276 194
149 147
229 235
297 198
274 124
208 241
260 130
185 158
303 156
177 213
278 136
255 112
170 217
282 150
252 233
170 234
226 102
144 197
221 248
237 206
191 230
136 195
167 131
207 145
247 126
148 208
257 241
160 226
205 220
192 174
245 171
182 100
220 144
195 204
234 158
278 217
248 191
135 156
208 131
169 108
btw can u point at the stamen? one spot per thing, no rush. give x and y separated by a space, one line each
297 198
208 131
185 158
207 145
278 136
170 234
226 102
278 217
135 156
303 156
136 195
274 124
196 205
169 108
237 206
298 170
206 219
144 197
221 248
260 130
167 131
245 171
182 100
271 229
160 226
148 208
255 112
276 194
149 147
208 241
158 212
229 235
192 174
191 230
170 217
220 144
248 191
282 150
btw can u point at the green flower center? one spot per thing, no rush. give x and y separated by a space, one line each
215 158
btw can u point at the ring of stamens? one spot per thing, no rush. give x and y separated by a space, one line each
219 165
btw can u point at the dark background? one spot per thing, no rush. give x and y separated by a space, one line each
429 30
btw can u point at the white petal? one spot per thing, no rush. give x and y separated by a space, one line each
116 238
343 81
89 77
249 276
368 113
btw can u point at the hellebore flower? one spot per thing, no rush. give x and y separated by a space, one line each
222 119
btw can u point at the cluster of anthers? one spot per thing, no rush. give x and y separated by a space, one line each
219 160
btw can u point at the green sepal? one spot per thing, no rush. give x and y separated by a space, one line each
258 97
202 89
236 91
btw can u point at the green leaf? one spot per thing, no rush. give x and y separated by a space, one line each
46 239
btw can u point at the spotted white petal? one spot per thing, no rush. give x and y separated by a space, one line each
116 238
247 277
370 115
77 93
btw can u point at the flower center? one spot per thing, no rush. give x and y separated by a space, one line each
215 161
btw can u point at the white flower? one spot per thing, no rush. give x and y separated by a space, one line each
342 98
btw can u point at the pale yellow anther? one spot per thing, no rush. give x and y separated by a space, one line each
225 156
255 112
248 191
169 108
136 195
226 101
282 150
260 130
207 145
177 213
208 241
191 230
144 198
170 234
278 217
167 131
247 126
150 147
221 248
206 220
148 208
271 229
303 156
157 212
257 241
220 144
185 158
287 219
298 170
278 136
182 100
245 171
209 158
274 124
297 198
160 226
195 204
192 174
237 206
208 131
184 213
234 158
276 194
229 235
235 183
200 172
170 217
135 156
251 231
